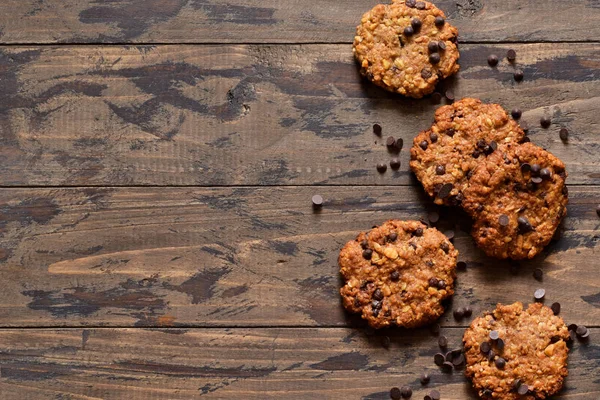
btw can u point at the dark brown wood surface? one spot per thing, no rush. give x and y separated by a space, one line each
157 162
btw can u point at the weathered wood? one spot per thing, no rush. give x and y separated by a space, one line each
259 364
244 256
276 21
257 115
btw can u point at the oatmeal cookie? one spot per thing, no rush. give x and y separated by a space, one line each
462 136
406 47
517 197
516 354
398 274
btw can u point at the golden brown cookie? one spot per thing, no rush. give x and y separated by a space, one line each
462 136
516 354
398 274
406 47
517 197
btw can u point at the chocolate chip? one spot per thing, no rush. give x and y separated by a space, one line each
536 180
433 137
367 254
445 190
433 281
381 168
409 31
425 378
485 347
581 330
511 55
449 95
410 3
500 344
442 46
523 389
433 217
493 146
458 360
378 294
390 141
434 58
597 209
494 335
435 395
518 75
317 201
440 170
439 21
420 5
481 144
461 265
449 234
459 313
572 327
395 275
416 23
492 60
443 342
433 46
538 274
516 384
447 367
545 122
516 113
377 129
487 393
424 145
364 244
468 311
441 284
545 173
436 98
445 247
564 134
435 328
376 306
418 232
555 308
395 164
439 359
399 143
395 393
503 220
450 132
524 225
392 237
426 73
385 342
406 392
500 363
539 294
427 397
491 355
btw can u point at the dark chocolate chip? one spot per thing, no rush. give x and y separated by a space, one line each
424 144
420 5
503 220
461 265
439 359
418 232
487 393
518 75
409 31
485 347
434 58
410 3
450 132
395 275
433 217
564 134
440 170
406 392
500 344
395 393
516 113
494 335
468 311
447 367
450 96
433 46
426 73
376 304
511 55
395 164
481 144
523 389
536 180
597 209
491 355
378 294
416 23
459 313
425 378
449 234
377 129
458 360
442 45
538 274
443 342
390 141
535 169
539 294
445 190
364 243
435 328
433 281
500 363
392 237
435 395
524 225
441 284
492 60
433 137
555 308
516 384
581 330
381 168
439 21
445 247
317 201
427 397
572 327
545 122
367 254
545 173
436 98
399 143
493 145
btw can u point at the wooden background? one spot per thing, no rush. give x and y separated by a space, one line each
157 162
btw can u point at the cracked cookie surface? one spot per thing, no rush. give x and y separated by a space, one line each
398 274
406 47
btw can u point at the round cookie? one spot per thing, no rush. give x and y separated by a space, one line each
406 47
527 362
517 197
398 274
462 136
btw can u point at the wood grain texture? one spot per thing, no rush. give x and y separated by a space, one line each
245 256
257 115
251 364
277 21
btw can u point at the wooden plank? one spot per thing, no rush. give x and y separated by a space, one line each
257 364
276 21
257 115
244 256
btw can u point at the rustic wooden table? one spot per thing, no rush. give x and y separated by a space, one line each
157 162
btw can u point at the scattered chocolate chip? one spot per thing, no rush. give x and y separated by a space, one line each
426 73
539 294
449 234
395 275
420 5
367 254
425 378
427 397
461 265
392 237
441 284
436 98
395 164
500 344
450 132
442 45
418 232
445 247
516 113
491 355
440 170
523 389
443 342
435 328
439 359
433 281
449 356
494 335
458 360
386 341
378 294
439 21
545 173
447 366
450 96
409 31
524 225
416 23
459 313
487 393
424 144
433 217
435 395
511 55
597 209
518 75
445 190
317 201
381 168
492 60
434 58
395 393
564 134
406 392
516 384
433 137
468 311
493 146
503 220
390 141
410 3
572 327
377 129
538 274
536 180
500 363
399 143
364 244
555 308
485 347
433 46
545 122
581 330
535 169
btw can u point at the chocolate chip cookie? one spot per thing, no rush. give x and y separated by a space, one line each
406 47
462 136
398 274
516 354
517 197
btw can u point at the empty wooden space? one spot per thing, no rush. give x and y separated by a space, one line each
157 162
